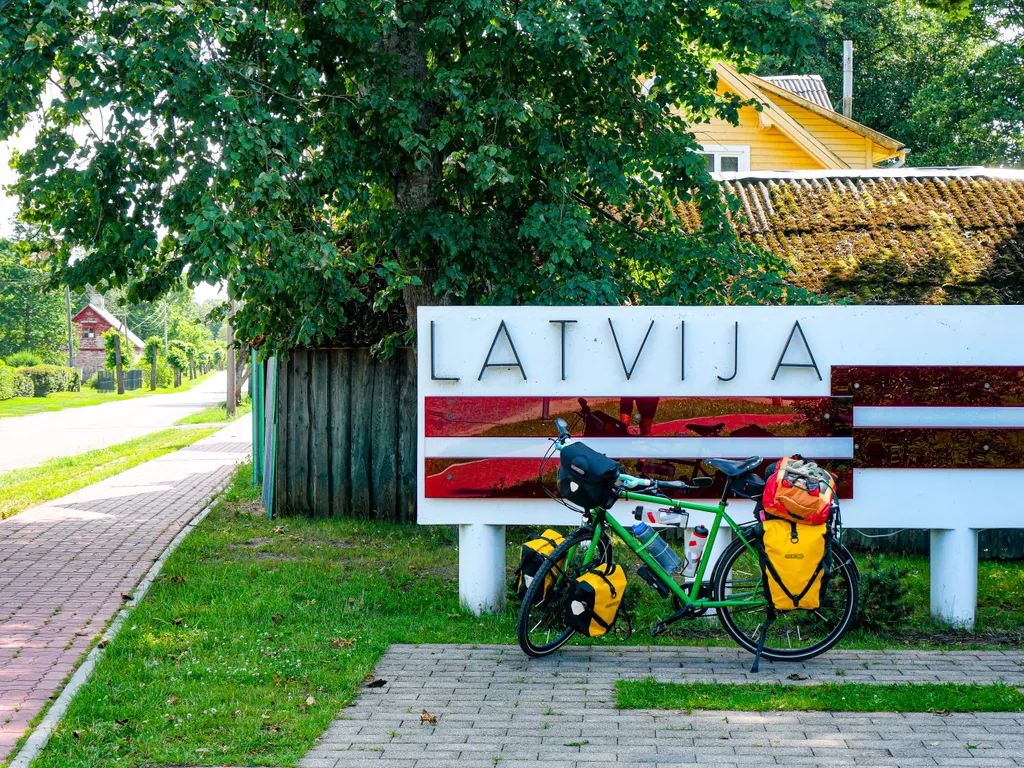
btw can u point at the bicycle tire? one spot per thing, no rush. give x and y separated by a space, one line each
845 581
554 610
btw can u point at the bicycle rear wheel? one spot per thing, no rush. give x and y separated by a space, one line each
794 635
541 628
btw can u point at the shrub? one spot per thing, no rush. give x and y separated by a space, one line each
93 382
7 377
52 378
24 359
13 382
22 385
884 598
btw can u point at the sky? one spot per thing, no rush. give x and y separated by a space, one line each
9 206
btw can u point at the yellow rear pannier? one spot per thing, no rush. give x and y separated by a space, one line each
595 598
797 563
534 553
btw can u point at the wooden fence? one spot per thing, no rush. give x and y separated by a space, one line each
346 435
346 446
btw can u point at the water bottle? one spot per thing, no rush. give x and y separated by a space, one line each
694 550
664 517
657 548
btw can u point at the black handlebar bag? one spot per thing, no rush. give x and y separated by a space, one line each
587 478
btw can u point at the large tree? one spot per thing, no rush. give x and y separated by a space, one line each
944 76
32 312
316 153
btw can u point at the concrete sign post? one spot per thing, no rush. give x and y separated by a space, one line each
917 410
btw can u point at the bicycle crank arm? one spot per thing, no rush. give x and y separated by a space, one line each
662 626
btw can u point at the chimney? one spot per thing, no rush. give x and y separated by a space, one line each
848 78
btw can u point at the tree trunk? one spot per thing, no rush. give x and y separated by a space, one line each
152 375
416 189
117 364
229 399
177 378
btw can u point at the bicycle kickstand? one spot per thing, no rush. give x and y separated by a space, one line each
760 642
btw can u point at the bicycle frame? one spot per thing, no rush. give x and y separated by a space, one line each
602 520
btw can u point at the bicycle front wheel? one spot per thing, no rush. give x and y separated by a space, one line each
541 628
794 635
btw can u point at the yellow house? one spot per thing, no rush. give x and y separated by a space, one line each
796 129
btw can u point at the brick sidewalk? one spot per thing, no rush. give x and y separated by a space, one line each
496 708
65 566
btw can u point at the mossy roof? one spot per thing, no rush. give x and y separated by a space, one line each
890 238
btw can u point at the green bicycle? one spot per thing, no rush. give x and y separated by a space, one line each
734 589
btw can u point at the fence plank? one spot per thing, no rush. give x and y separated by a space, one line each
341 442
284 427
384 441
320 435
407 435
298 434
270 432
363 370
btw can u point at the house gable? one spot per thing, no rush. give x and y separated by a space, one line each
790 132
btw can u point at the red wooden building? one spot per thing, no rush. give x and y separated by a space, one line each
90 325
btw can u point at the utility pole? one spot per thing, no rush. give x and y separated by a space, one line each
229 401
71 335
165 326
117 363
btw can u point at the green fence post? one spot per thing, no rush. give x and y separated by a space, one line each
256 390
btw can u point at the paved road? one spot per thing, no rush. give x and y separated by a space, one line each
64 566
496 708
27 440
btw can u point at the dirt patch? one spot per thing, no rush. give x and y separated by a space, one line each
252 543
272 557
246 508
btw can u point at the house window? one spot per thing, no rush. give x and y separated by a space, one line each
726 158
90 333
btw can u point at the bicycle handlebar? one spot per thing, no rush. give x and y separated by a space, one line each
629 481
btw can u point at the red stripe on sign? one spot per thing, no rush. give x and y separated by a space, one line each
930 385
518 478
654 416
938 448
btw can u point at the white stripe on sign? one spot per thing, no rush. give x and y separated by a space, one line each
644 447
937 416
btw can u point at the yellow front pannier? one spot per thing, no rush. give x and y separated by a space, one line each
797 563
595 598
534 553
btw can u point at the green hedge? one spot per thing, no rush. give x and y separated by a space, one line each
52 378
13 382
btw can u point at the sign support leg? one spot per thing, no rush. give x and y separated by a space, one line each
482 568
954 576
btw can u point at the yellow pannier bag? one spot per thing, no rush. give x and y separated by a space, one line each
594 599
534 553
797 563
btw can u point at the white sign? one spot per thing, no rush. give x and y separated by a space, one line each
560 354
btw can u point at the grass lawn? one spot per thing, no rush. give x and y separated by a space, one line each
24 488
831 697
23 406
259 632
216 413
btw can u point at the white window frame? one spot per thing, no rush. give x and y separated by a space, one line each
739 151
